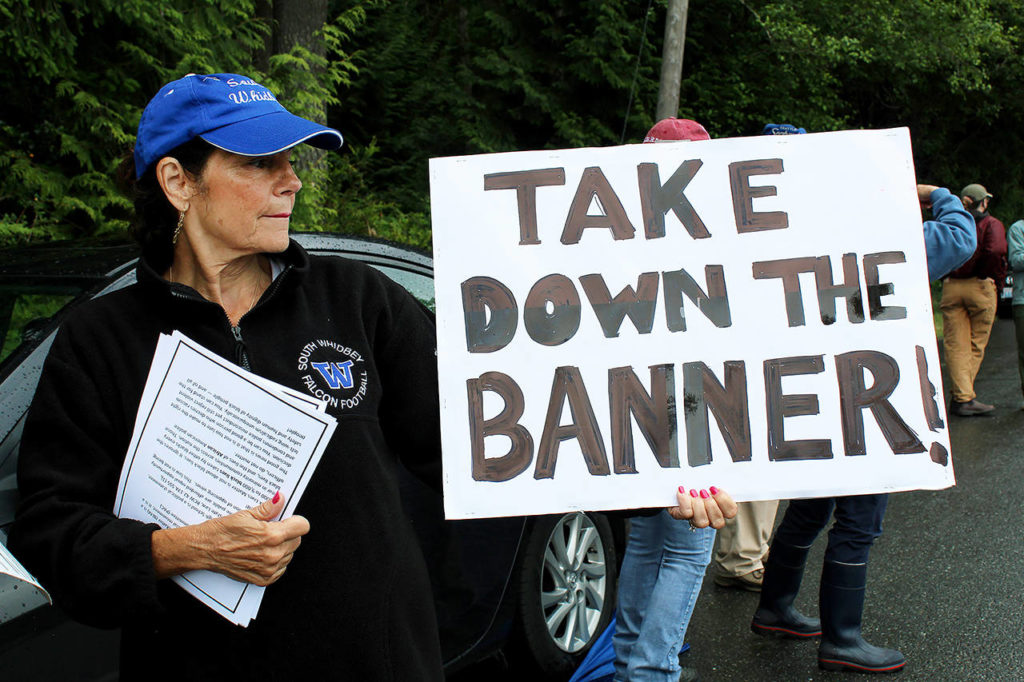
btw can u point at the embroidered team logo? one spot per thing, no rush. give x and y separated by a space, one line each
333 373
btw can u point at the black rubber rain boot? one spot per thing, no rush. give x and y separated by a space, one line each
842 604
775 613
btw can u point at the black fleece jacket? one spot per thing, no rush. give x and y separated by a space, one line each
355 603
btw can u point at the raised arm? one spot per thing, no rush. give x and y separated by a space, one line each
952 237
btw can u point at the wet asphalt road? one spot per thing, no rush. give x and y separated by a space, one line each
946 580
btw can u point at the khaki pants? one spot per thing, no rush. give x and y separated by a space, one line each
968 311
743 542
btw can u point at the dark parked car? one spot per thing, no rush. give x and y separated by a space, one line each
539 589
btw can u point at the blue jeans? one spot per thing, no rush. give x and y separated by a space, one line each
658 586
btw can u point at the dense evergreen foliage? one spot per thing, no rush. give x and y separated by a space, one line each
77 74
406 80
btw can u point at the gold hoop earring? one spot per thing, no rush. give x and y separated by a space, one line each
177 229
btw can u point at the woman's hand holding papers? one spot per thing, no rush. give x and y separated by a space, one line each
703 508
247 545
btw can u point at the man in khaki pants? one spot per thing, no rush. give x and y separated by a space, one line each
969 304
743 545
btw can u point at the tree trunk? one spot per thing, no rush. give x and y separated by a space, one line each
296 23
672 59
261 58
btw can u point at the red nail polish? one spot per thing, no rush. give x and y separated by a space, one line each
277 496
693 493
704 494
714 490
682 490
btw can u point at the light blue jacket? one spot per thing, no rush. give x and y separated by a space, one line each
951 238
1015 254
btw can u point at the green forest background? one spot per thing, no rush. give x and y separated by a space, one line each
406 80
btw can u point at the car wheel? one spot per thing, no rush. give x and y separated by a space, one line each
567 585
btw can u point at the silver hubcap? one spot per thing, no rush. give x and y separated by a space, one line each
573 582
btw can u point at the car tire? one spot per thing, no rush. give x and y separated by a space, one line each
567 577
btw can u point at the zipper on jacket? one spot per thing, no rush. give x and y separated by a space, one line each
241 352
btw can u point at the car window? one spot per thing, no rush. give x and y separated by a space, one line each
417 284
23 313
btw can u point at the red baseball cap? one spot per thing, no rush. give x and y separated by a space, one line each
675 129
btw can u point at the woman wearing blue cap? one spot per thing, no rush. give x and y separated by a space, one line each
215 193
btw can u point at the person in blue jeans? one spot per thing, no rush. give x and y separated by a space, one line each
659 581
949 239
665 560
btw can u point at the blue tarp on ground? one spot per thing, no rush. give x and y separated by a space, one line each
599 665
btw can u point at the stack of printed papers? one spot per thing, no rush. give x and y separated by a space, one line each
211 439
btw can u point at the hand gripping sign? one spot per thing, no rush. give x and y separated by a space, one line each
749 313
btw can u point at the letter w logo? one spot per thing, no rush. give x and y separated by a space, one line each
336 374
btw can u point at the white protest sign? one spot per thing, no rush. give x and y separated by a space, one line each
748 313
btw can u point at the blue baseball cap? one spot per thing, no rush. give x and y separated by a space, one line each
231 112
782 129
